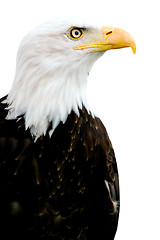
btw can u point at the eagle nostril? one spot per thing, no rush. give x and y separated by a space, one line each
108 33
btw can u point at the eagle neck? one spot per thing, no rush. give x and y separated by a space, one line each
51 101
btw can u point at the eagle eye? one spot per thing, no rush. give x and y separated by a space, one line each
75 33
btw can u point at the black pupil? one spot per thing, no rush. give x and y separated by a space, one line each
76 33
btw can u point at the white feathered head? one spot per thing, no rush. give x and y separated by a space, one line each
53 63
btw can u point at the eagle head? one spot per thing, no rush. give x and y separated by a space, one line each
53 63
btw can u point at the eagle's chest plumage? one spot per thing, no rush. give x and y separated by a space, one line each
73 171
54 188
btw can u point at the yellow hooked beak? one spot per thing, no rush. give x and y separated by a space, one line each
109 38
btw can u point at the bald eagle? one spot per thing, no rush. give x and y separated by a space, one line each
58 173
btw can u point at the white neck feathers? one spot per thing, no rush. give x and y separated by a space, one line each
48 98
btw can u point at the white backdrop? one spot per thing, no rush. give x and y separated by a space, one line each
123 88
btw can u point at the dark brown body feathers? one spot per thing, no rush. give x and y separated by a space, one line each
63 187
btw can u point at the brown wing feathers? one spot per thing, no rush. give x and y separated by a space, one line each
64 187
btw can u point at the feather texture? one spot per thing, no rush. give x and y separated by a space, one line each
51 77
63 187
